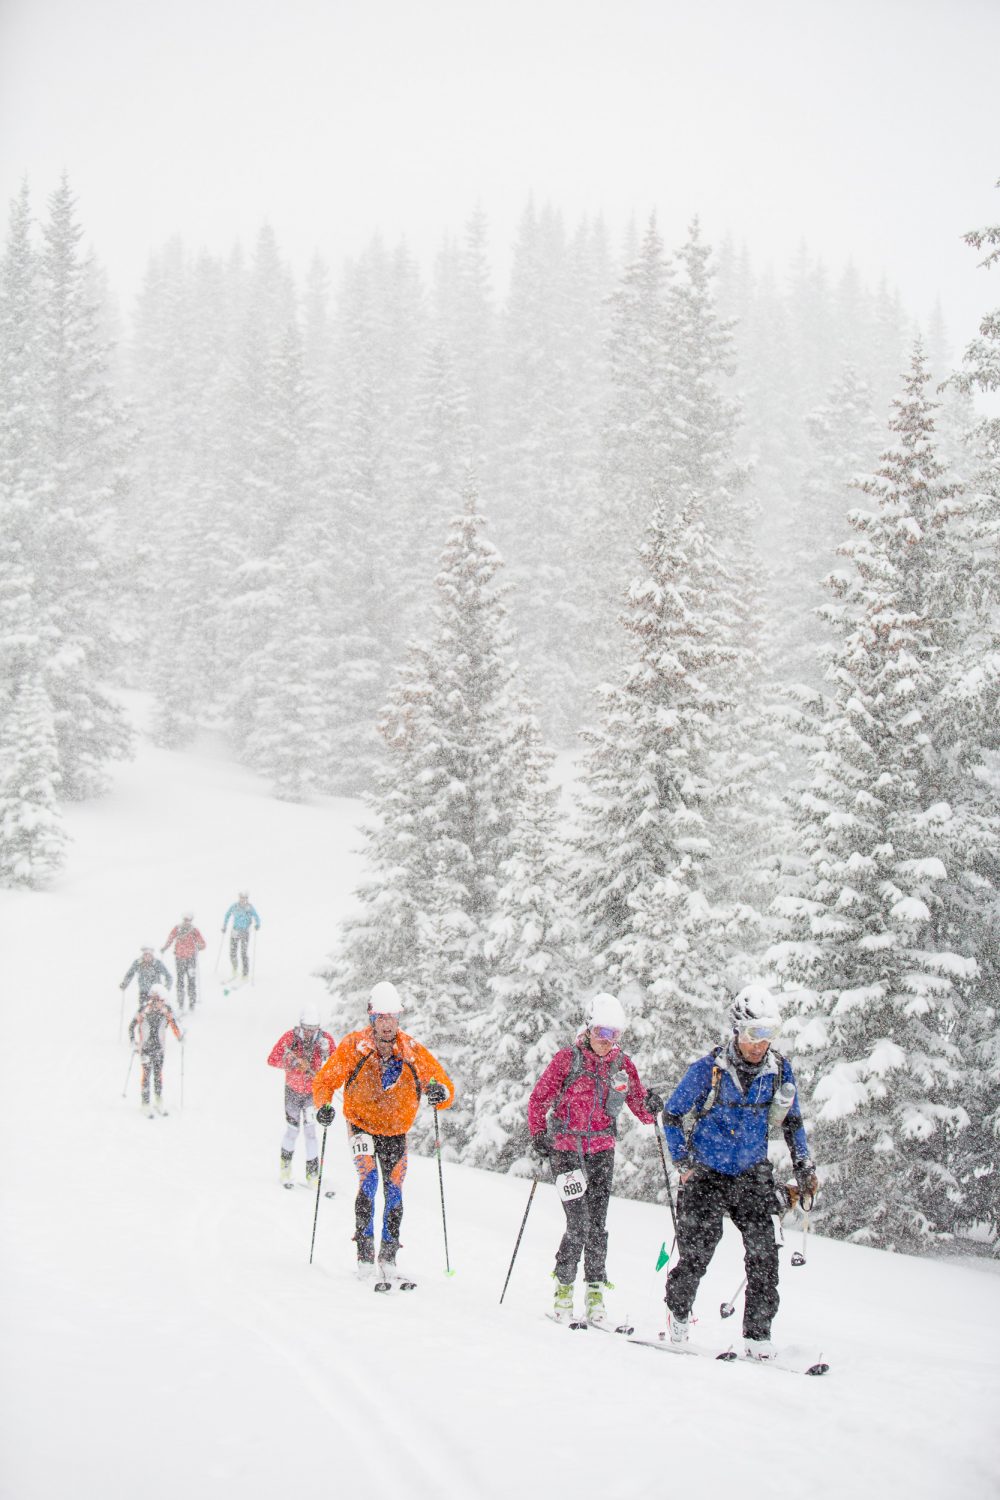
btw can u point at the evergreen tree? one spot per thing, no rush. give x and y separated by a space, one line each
446 806
32 834
530 950
871 939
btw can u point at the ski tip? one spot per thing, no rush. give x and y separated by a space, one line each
818 1369
727 1356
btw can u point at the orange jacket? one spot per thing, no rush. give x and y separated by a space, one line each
357 1068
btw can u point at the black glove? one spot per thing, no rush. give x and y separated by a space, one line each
805 1176
653 1102
541 1147
436 1093
325 1114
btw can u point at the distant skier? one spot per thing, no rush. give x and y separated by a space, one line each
301 1052
384 1074
585 1088
716 1124
147 1033
242 914
148 970
187 941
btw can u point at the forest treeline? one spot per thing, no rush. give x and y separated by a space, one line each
730 539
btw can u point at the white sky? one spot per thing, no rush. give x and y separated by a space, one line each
868 128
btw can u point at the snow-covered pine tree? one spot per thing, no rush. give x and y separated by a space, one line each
73 479
33 836
881 973
650 800
533 982
445 810
974 701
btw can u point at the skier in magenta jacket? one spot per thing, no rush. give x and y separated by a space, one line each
585 1087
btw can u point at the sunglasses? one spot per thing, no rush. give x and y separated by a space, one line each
757 1032
606 1033
383 1015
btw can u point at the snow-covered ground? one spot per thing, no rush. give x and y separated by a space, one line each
164 1335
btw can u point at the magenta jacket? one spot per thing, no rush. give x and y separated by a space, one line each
581 1121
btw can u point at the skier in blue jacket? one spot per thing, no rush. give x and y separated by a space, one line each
242 914
716 1123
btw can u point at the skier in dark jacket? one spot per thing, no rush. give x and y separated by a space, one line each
148 1033
585 1087
148 970
716 1125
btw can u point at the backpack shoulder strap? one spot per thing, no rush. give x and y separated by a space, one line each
575 1069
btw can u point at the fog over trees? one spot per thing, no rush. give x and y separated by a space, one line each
727 539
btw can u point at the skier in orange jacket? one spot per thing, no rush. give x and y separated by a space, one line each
384 1074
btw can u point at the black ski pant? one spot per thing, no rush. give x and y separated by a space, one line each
239 944
152 1067
585 1216
749 1201
187 981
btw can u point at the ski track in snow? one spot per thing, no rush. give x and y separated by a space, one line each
164 1333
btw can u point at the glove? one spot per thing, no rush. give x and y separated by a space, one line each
436 1093
325 1114
541 1147
805 1176
653 1102
122 988
683 1169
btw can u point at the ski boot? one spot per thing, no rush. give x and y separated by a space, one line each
758 1349
312 1171
679 1328
562 1307
158 1104
285 1176
366 1256
594 1301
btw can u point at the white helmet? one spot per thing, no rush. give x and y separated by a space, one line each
309 1014
187 916
243 895
606 1010
157 992
755 1012
385 999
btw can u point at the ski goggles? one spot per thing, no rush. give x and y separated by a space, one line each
759 1031
383 1015
606 1033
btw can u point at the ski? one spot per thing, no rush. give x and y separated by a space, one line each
626 1329
731 1356
403 1283
311 1186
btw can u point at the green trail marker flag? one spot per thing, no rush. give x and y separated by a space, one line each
663 1256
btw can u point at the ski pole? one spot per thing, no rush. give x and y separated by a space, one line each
319 1184
517 1245
128 1075
727 1309
666 1181
444 1218
121 1016
182 1073
799 1256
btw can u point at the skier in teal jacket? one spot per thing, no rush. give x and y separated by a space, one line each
243 914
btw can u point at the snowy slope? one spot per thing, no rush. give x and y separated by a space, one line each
163 1333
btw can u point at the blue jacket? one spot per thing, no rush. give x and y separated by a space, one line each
242 917
732 1137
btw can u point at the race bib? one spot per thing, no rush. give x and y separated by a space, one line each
362 1145
571 1185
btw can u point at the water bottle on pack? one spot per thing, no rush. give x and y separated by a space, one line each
780 1105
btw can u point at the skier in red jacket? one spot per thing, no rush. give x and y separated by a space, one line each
187 942
301 1052
586 1086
